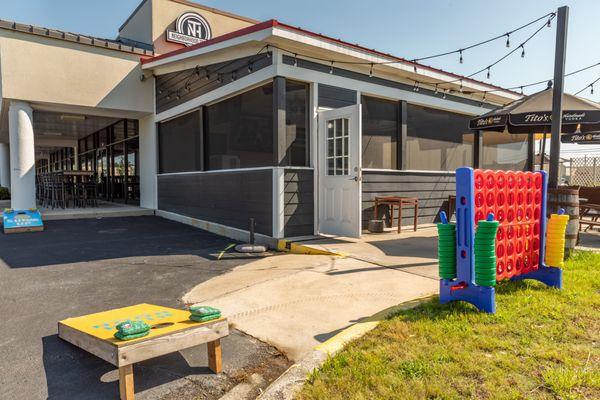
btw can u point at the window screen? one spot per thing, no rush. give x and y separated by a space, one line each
379 133
296 122
179 145
239 130
437 140
504 151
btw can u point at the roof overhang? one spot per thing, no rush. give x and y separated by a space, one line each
293 39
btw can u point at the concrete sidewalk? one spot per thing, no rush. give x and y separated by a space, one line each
296 302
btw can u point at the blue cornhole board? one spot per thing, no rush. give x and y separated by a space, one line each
16 221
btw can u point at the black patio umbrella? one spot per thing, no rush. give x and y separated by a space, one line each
533 114
581 138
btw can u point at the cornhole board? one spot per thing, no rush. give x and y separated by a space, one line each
171 331
17 221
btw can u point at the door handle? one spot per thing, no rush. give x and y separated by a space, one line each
356 179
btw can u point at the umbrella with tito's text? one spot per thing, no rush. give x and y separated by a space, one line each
533 114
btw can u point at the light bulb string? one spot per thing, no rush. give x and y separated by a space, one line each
551 15
589 85
536 83
189 79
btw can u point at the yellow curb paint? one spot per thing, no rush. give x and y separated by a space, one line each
353 332
296 248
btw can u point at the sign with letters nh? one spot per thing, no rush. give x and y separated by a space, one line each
190 28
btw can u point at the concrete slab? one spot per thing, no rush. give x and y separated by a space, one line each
296 302
414 252
104 210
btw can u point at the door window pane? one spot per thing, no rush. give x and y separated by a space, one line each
179 146
337 146
239 130
438 140
296 122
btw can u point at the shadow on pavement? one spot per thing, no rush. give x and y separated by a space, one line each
72 373
72 241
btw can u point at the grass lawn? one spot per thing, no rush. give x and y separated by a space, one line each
541 344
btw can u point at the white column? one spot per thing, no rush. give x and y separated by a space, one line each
22 156
148 162
4 165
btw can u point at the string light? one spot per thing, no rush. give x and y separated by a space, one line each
268 54
549 23
416 87
521 89
444 96
589 85
436 89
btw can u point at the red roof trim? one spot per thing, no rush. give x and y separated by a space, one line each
231 35
272 23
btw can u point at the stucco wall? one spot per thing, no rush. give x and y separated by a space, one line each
46 70
139 27
165 12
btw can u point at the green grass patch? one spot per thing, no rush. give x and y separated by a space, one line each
542 343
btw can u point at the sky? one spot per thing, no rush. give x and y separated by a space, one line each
409 29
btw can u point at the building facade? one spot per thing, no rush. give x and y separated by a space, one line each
212 119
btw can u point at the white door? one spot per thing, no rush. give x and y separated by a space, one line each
340 171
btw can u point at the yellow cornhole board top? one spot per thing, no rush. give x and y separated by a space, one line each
165 320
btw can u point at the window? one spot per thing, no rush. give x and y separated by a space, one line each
437 140
296 123
337 146
380 125
502 150
179 144
239 130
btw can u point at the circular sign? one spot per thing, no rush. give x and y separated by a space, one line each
193 24
190 28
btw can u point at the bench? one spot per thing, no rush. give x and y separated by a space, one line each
171 331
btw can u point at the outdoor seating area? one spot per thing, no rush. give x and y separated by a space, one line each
65 189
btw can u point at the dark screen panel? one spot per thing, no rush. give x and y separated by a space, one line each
239 130
296 122
180 144
380 123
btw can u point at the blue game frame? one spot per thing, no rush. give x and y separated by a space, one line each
464 287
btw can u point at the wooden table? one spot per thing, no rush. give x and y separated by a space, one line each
171 331
589 210
393 201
